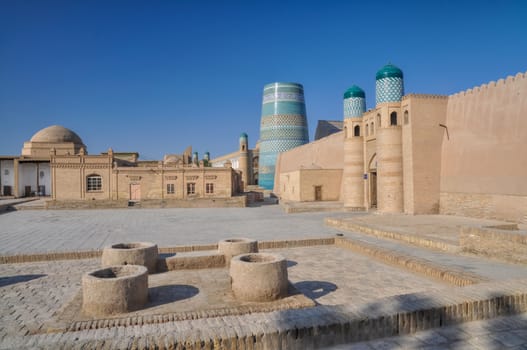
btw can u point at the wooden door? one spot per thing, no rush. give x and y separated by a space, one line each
318 193
373 189
7 191
135 192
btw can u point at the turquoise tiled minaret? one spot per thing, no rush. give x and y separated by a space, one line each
283 126
206 156
354 102
389 85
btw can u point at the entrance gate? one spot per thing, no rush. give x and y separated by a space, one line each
135 192
318 193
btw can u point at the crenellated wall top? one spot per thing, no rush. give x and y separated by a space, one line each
491 85
423 96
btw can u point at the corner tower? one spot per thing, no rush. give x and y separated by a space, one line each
352 181
389 92
283 126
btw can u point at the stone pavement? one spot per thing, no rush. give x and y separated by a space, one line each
73 230
438 228
350 289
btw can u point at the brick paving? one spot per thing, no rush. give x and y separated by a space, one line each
345 284
37 231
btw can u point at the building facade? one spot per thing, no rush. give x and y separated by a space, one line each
244 160
420 154
55 163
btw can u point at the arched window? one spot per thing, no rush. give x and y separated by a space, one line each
93 183
366 129
405 117
372 128
345 132
378 120
393 118
356 130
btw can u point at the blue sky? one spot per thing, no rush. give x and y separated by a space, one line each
157 76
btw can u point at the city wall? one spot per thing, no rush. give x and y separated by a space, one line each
483 165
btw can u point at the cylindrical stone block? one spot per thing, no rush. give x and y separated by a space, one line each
390 170
283 126
114 290
236 246
136 253
259 277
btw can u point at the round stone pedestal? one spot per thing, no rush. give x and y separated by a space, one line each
259 277
114 290
235 246
136 253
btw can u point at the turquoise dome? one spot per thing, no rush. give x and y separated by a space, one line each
354 91
243 135
389 71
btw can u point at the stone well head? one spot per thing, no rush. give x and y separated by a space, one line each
259 277
114 289
135 253
231 247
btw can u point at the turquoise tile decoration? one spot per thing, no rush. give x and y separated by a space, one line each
283 126
354 102
389 85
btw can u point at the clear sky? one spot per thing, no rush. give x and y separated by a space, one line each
157 76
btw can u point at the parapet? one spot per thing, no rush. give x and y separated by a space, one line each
491 85
424 96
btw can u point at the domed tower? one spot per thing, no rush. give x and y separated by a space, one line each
283 126
352 180
243 162
389 85
389 92
206 158
195 159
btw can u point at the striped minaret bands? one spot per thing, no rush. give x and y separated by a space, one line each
283 126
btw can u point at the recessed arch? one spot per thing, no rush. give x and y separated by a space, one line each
393 118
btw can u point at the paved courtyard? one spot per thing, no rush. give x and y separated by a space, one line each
343 283
33 231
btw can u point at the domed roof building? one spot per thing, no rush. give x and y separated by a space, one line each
56 134
56 139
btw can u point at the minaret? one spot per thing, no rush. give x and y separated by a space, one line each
352 176
283 126
389 92
243 162
206 159
195 159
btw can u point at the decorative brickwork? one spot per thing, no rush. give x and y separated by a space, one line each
283 126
